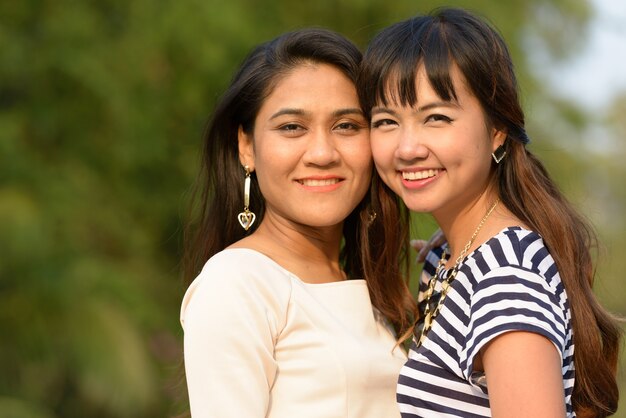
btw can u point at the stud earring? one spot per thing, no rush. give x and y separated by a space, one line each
498 154
246 218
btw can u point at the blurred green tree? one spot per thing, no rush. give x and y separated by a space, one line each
102 105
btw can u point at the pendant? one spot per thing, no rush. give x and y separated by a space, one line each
246 219
425 328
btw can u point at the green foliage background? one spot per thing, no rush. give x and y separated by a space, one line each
102 104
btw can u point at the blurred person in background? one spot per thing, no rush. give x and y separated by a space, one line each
291 315
505 302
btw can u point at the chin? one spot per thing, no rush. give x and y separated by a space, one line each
321 222
418 207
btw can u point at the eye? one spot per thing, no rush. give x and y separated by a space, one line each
382 123
437 117
349 127
292 129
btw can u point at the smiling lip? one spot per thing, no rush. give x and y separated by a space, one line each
417 179
320 183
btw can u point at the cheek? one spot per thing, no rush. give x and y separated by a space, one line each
274 156
365 157
363 167
357 153
362 172
382 153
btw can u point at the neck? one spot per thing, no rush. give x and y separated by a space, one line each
459 226
304 241
311 253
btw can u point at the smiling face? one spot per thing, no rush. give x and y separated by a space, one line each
310 148
435 155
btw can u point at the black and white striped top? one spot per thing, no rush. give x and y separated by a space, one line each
510 283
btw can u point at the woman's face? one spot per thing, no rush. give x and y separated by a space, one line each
436 155
310 147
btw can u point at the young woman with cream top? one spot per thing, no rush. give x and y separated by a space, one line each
284 320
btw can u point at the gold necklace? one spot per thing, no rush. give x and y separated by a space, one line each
430 315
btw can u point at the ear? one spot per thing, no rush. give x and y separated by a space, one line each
498 136
246 148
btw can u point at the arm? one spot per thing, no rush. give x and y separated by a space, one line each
517 335
524 379
423 247
230 329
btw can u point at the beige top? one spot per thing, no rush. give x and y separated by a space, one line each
259 342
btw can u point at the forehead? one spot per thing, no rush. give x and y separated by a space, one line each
307 73
311 85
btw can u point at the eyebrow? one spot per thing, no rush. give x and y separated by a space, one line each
288 111
376 110
348 111
301 112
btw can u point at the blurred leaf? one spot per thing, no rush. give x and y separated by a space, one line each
16 408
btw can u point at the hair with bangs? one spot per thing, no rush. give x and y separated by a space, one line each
438 41
391 67
449 37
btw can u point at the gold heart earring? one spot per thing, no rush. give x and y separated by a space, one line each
246 218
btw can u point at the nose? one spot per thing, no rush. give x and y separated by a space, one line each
411 145
321 149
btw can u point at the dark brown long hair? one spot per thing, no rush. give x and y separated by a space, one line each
217 196
454 36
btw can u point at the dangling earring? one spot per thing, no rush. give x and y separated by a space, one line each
371 217
246 218
498 154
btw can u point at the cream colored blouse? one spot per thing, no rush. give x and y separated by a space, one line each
259 342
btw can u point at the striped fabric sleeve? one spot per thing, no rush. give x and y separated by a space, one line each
511 298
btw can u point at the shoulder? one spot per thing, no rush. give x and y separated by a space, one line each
239 276
515 249
515 267
513 285
521 246
242 266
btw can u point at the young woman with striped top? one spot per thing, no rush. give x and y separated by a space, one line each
509 323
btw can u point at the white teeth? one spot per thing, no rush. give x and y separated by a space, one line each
318 183
419 175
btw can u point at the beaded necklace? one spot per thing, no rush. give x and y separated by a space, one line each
430 315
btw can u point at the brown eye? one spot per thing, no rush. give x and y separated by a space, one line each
438 118
292 130
383 122
290 127
348 126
